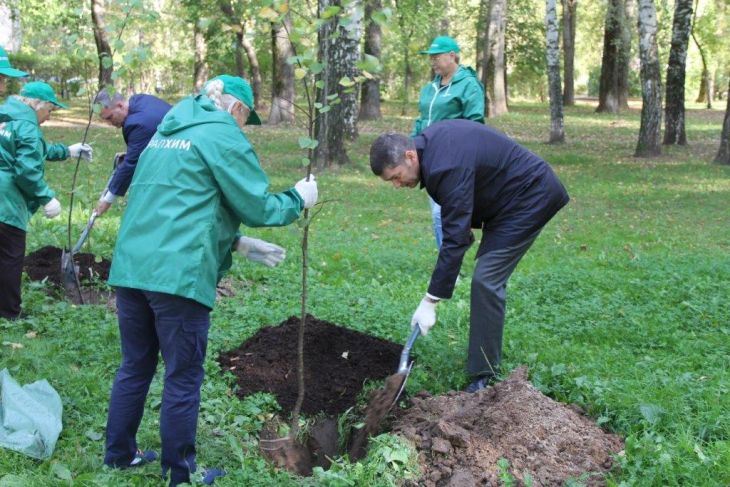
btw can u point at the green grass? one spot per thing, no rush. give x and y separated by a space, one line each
620 306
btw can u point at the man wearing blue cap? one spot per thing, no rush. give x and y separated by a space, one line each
194 185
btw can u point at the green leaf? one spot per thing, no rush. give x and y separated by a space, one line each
72 38
319 84
94 435
369 63
332 97
325 109
346 82
345 21
118 44
107 62
318 105
292 60
61 471
651 412
330 12
317 68
304 142
300 73
306 161
96 108
313 144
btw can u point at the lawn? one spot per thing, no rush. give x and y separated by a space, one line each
620 306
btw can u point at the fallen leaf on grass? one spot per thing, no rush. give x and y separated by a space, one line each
31 334
14 346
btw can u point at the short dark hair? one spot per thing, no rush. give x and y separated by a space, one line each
389 150
106 100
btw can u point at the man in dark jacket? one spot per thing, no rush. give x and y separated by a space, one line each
138 118
482 179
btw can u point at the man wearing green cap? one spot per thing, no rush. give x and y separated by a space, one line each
455 92
23 153
194 185
6 70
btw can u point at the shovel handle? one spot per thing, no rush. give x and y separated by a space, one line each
406 353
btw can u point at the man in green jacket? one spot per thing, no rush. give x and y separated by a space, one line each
455 92
23 153
196 182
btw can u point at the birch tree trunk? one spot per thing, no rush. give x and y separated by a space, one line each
370 94
494 69
569 20
200 67
282 77
651 83
723 154
627 29
608 95
106 67
334 126
674 129
557 129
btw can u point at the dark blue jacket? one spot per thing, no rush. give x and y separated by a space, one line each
145 114
482 179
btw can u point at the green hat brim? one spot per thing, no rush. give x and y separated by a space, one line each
437 51
12 72
253 118
59 104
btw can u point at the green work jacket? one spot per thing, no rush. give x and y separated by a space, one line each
195 183
23 154
462 97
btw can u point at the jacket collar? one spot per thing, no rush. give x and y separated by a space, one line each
420 143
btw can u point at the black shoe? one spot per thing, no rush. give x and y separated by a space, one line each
479 384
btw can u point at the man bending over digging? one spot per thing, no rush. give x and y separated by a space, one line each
482 179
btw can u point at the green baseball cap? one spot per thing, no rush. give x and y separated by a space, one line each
239 88
442 44
39 90
6 69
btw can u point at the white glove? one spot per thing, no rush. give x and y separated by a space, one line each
308 191
425 314
79 149
52 209
260 251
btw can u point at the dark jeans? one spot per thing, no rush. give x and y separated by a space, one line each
150 322
12 252
488 298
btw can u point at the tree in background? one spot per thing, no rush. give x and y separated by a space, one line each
338 51
370 90
557 129
674 129
723 153
282 77
493 77
613 91
570 8
103 48
200 68
651 83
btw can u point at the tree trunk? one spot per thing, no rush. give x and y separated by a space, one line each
608 94
407 82
200 68
706 83
723 154
651 83
370 95
494 75
282 78
481 30
557 129
102 43
256 83
569 19
674 129
240 62
627 27
331 126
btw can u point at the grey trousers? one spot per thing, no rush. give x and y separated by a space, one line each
488 297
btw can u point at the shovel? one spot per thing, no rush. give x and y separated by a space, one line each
69 269
406 364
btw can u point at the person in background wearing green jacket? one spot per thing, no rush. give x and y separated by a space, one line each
455 92
23 153
196 182
7 71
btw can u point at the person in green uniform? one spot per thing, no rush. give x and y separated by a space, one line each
455 92
196 182
7 71
23 189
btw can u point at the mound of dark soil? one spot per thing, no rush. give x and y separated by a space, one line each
462 436
337 361
46 262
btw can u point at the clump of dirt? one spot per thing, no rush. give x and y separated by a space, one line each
337 362
46 263
320 447
462 436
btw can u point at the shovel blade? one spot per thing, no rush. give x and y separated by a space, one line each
68 268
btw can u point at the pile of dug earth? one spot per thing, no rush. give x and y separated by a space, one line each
461 438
